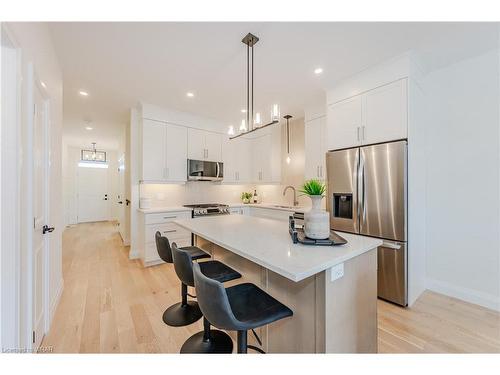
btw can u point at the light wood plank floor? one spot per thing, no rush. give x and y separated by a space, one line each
112 304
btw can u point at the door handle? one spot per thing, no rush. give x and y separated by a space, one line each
47 229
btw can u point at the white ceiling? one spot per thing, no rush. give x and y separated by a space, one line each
120 64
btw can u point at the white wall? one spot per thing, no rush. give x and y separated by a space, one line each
463 181
71 157
36 46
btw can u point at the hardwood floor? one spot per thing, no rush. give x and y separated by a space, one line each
112 304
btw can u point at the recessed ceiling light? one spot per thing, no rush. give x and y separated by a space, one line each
43 84
83 93
89 127
243 111
318 70
190 94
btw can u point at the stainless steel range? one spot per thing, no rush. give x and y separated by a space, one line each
208 209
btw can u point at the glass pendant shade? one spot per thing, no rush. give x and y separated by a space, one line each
243 126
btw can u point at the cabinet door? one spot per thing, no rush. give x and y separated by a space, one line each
267 158
213 146
385 111
176 150
344 124
153 150
230 160
244 167
314 149
196 144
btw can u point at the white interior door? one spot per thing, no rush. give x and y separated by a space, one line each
40 196
92 194
121 197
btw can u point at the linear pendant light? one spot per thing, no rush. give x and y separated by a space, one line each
250 40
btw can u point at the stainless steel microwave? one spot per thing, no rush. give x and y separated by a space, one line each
200 170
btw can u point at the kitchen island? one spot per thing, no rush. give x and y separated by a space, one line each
332 290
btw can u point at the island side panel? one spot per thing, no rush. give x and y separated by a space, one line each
296 334
351 307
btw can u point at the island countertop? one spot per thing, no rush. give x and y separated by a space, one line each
267 243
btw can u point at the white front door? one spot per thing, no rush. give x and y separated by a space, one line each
40 194
93 195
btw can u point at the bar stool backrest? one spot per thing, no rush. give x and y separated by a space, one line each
213 301
183 265
163 248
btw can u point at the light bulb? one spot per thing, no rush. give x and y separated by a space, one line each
288 159
275 113
243 126
230 131
258 120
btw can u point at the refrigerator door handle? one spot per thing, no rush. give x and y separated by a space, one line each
361 190
357 187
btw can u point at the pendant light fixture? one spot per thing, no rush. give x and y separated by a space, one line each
251 124
288 158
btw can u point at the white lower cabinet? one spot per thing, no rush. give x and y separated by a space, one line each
150 223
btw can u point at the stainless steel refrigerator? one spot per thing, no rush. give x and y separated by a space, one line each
367 195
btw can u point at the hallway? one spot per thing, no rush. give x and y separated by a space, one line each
112 304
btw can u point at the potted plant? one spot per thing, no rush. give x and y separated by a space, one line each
316 220
246 197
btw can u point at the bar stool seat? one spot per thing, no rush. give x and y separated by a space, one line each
253 307
195 252
185 312
208 340
239 308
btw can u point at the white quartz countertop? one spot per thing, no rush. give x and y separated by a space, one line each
268 243
255 205
164 209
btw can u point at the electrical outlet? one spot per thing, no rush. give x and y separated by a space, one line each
337 271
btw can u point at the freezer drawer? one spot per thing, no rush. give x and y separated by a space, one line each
392 278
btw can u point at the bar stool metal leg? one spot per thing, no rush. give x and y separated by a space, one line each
242 342
182 313
208 341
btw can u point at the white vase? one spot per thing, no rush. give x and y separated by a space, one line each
316 221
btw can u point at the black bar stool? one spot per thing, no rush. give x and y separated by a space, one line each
208 340
239 308
185 312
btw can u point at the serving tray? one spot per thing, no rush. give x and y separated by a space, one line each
298 236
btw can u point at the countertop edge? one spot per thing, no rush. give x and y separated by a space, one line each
293 277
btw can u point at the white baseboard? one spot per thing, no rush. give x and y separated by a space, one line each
487 300
55 302
133 254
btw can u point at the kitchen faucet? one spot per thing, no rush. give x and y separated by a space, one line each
295 202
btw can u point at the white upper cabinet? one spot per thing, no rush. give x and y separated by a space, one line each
315 149
176 150
378 115
385 113
266 157
164 152
344 124
204 145
236 159
154 138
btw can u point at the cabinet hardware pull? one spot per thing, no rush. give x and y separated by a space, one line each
320 171
363 133
170 231
358 132
169 217
317 171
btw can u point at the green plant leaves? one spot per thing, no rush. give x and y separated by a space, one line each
313 187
